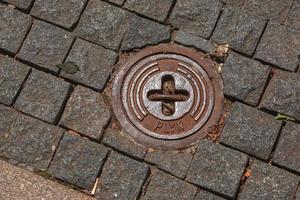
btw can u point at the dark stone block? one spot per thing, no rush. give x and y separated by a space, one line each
293 18
250 130
237 3
121 178
7 118
217 168
78 161
204 195
118 2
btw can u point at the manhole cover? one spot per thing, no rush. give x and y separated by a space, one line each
168 96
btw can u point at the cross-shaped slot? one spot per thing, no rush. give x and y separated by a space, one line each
168 95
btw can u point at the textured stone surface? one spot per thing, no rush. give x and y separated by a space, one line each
287 153
13 28
239 29
283 53
283 94
61 12
118 140
293 18
118 2
121 178
298 194
268 182
95 64
142 32
43 96
20 184
7 118
268 9
103 24
204 195
12 75
46 45
174 162
155 9
244 79
237 3
250 130
86 113
31 141
22 4
78 161
217 168
166 187
194 41
196 16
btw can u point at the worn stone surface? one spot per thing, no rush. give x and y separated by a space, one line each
297 197
166 187
283 53
60 12
78 161
103 24
283 94
118 2
45 46
174 162
14 26
287 153
31 141
86 113
12 75
250 130
142 32
121 178
20 184
155 9
43 96
239 29
268 182
217 168
95 64
244 79
204 195
237 3
190 40
268 9
293 18
7 118
118 140
196 16
22 4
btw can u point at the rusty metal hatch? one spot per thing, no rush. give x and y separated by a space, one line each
168 96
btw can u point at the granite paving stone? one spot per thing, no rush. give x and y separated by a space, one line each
166 187
31 141
14 26
293 18
43 96
78 161
239 29
102 24
217 168
60 12
142 32
155 9
250 130
237 3
204 195
118 2
86 113
244 79
196 16
190 40
283 53
46 46
268 182
95 64
22 4
297 197
287 153
7 118
12 75
283 94
118 140
174 162
268 9
121 178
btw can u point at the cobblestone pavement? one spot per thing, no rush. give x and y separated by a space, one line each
61 126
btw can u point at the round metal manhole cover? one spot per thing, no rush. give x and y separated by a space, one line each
168 96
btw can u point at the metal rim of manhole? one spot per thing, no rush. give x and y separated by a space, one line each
168 96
